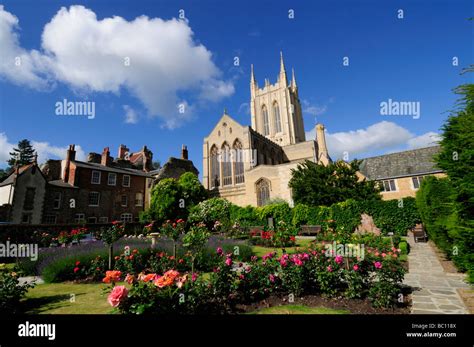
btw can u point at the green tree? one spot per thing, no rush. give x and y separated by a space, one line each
193 191
164 203
456 158
172 199
22 155
322 185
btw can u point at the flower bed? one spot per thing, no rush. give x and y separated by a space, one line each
375 277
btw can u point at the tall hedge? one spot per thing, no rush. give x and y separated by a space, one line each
436 201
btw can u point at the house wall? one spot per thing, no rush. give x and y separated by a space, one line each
404 187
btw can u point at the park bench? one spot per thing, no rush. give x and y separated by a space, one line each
311 230
419 233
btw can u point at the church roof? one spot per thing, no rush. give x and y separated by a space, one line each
408 163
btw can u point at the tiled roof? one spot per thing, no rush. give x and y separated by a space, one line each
96 166
11 178
407 163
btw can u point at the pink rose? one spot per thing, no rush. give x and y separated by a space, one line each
355 267
383 255
378 265
219 251
329 268
272 278
338 259
117 295
228 261
194 277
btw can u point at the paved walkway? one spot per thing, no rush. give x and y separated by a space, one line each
434 291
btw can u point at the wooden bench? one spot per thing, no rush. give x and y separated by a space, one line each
310 230
419 233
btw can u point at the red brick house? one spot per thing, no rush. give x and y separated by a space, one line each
98 190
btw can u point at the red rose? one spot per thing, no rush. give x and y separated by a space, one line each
76 269
78 263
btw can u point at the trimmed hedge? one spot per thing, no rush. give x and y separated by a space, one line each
438 209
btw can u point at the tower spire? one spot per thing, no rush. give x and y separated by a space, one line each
293 80
282 77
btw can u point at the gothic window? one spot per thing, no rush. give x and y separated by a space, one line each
215 171
238 162
263 192
226 165
266 124
276 114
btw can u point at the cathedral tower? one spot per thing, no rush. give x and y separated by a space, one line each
276 109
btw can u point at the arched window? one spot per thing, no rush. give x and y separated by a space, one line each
238 162
263 192
266 124
276 114
226 165
215 170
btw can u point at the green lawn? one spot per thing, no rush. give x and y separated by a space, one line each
298 309
261 251
55 298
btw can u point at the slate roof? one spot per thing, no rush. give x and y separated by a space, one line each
96 166
400 164
11 178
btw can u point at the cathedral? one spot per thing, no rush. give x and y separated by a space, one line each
251 165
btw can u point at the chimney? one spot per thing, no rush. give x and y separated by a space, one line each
147 159
70 156
106 159
184 152
321 139
122 151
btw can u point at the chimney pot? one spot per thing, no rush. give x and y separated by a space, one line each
184 152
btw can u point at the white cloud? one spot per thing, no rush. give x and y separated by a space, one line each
5 148
17 64
44 149
131 116
379 137
244 108
311 109
92 55
426 140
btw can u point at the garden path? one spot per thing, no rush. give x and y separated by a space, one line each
434 291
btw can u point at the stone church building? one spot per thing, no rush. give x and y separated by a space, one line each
249 165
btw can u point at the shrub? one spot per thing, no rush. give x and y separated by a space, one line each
280 212
210 211
11 292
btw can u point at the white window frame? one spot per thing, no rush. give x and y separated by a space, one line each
103 219
78 218
57 199
138 202
98 199
126 200
92 176
123 181
114 175
394 183
419 182
126 217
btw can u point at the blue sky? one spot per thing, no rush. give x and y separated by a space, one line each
192 63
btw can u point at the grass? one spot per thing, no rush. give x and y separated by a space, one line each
298 309
55 298
260 251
